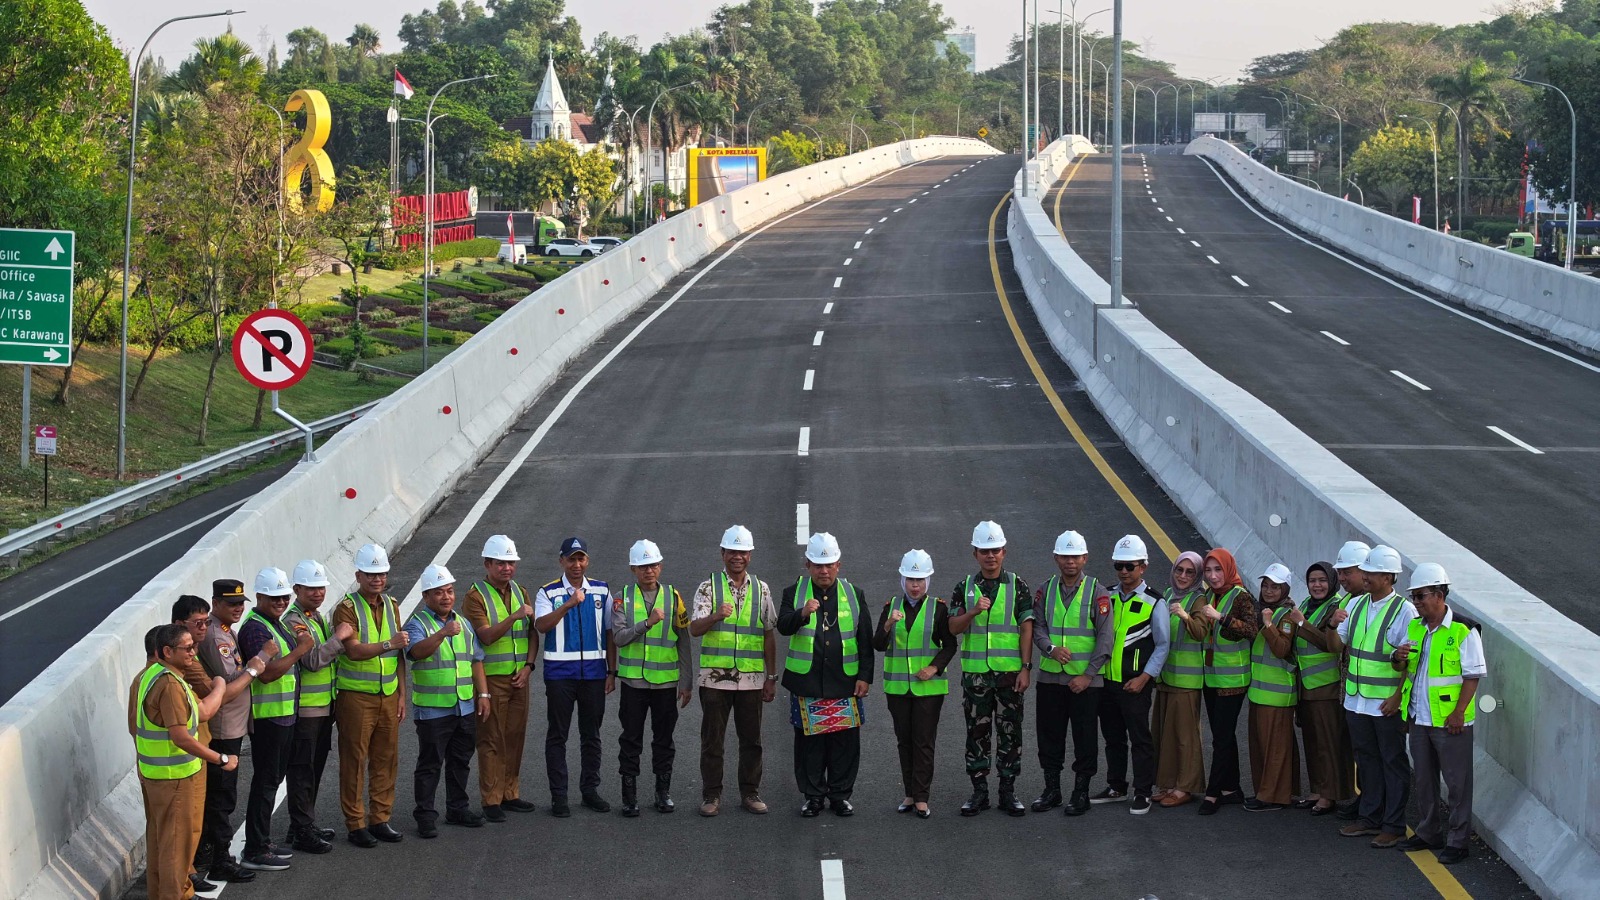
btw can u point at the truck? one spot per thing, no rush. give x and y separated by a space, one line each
533 232
1549 243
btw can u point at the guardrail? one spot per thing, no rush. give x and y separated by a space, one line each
93 514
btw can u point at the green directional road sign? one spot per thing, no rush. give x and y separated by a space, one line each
36 296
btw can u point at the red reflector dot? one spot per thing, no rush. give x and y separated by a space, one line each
561 311
349 493
513 351
446 410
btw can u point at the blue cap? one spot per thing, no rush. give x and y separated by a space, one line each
574 545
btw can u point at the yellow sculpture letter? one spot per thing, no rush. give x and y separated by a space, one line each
307 153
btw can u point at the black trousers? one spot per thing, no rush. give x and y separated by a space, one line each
589 698
1383 771
1222 713
825 765
269 760
222 798
308 756
660 705
446 743
916 728
1058 708
1125 720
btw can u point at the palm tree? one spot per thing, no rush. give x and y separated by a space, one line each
218 61
1471 93
364 44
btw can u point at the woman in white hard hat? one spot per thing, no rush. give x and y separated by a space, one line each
1328 760
915 640
1180 766
1274 758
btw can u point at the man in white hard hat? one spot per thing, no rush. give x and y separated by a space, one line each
502 618
992 613
1441 654
1139 649
451 696
272 714
828 669
313 724
1383 773
370 701
573 614
1073 633
734 617
651 656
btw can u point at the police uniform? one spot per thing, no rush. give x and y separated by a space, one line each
1139 647
1077 617
219 654
313 724
272 720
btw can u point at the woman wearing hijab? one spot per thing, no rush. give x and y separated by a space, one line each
1274 758
914 638
1231 610
1316 649
1180 770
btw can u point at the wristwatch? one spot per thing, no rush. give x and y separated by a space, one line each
222 759
772 677
1027 667
384 645
252 672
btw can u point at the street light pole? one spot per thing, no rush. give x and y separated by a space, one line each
1116 168
649 128
1359 191
749 121
850 133
1340 117
1027 123
1461 170
1434 133
818 136
1572 175
427 220
899 126
279 193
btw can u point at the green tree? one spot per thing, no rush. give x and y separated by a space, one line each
1472 92
788 150
1395 163
220 62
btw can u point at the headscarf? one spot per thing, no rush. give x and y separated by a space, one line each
1230 568
1199 566
1325 568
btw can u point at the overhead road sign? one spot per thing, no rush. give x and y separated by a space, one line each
36 296
272 349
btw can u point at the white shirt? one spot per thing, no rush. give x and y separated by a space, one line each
1368 706
1472 665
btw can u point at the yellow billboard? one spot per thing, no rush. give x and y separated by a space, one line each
715 171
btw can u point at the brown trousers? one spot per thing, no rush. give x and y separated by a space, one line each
369 750
1179 763
715 707
916 727
500 740
1329 762
173 809
1274 757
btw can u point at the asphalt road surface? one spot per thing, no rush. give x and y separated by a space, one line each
924 418
1441 409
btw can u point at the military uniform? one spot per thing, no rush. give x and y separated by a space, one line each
990 660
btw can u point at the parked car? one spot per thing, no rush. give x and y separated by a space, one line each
571 247
606 243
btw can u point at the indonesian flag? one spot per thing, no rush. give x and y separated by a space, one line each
511 231
402 87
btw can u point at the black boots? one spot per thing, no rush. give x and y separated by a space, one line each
1008 798
979 801
1078 804
664 793
1050 798
630 796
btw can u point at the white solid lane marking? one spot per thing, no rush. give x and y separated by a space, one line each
1336 339
1409 380
848 259
833 879
811 376
1242 282
805 440
1515 440
838 281
802 523
827 308
1196 243
817 341
1214 260
858 245
1279 306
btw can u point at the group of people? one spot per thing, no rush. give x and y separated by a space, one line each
1355 664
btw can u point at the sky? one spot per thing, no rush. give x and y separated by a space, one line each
1201 39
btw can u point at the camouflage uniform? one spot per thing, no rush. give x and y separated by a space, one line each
990 700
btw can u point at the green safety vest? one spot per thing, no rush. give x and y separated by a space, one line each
445 678
510 653
1317 668
801 643
1228 664
271 699
1371 672
316 688
1128 620
159 757
1444 672
912 651
1186 657
1271 678
1070 625
993 642
380 674
739 641
653 656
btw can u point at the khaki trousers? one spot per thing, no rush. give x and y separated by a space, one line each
369 752
500 740
173 809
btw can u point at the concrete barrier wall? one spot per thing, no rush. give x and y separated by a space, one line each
71 817
1540 297
1254 483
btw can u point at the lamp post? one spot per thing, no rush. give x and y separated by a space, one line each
750 120
1157 115
1461 170
1190 86
1572 175
1434 134
1340 117
279 193
631 197
1105 128
1116 170
1135 122
1359 191
851 132
1081 117
127 237
1027 123
897 125
914 110
818 136
427 221
649 129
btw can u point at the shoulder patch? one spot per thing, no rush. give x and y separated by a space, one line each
1103 605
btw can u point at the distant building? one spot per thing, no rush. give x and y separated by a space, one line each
967 42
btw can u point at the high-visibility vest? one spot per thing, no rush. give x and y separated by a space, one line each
1317 668
652 656
1444 671
911 650
445 678
510 653
1070 624
271 699
159 757
993 642
737 642
1371 671
380 674
1186 656
1228 662
802 643
1131 618
1271 678
316 688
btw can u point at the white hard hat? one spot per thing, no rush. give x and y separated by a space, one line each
436 576
272 582
823 548
1352 554
1382 559
372 559
988 535
310 573
500 547
644 553
1071 543
1130 548
738 537
916 564
1277 572
1428 575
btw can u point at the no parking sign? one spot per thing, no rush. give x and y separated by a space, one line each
272 349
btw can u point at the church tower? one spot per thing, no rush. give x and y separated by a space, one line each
552 117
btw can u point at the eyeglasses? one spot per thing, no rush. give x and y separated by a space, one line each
1420 594
185 648
991 551
1185 570
1128 566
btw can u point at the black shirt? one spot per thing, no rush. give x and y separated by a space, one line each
942 638
827 679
